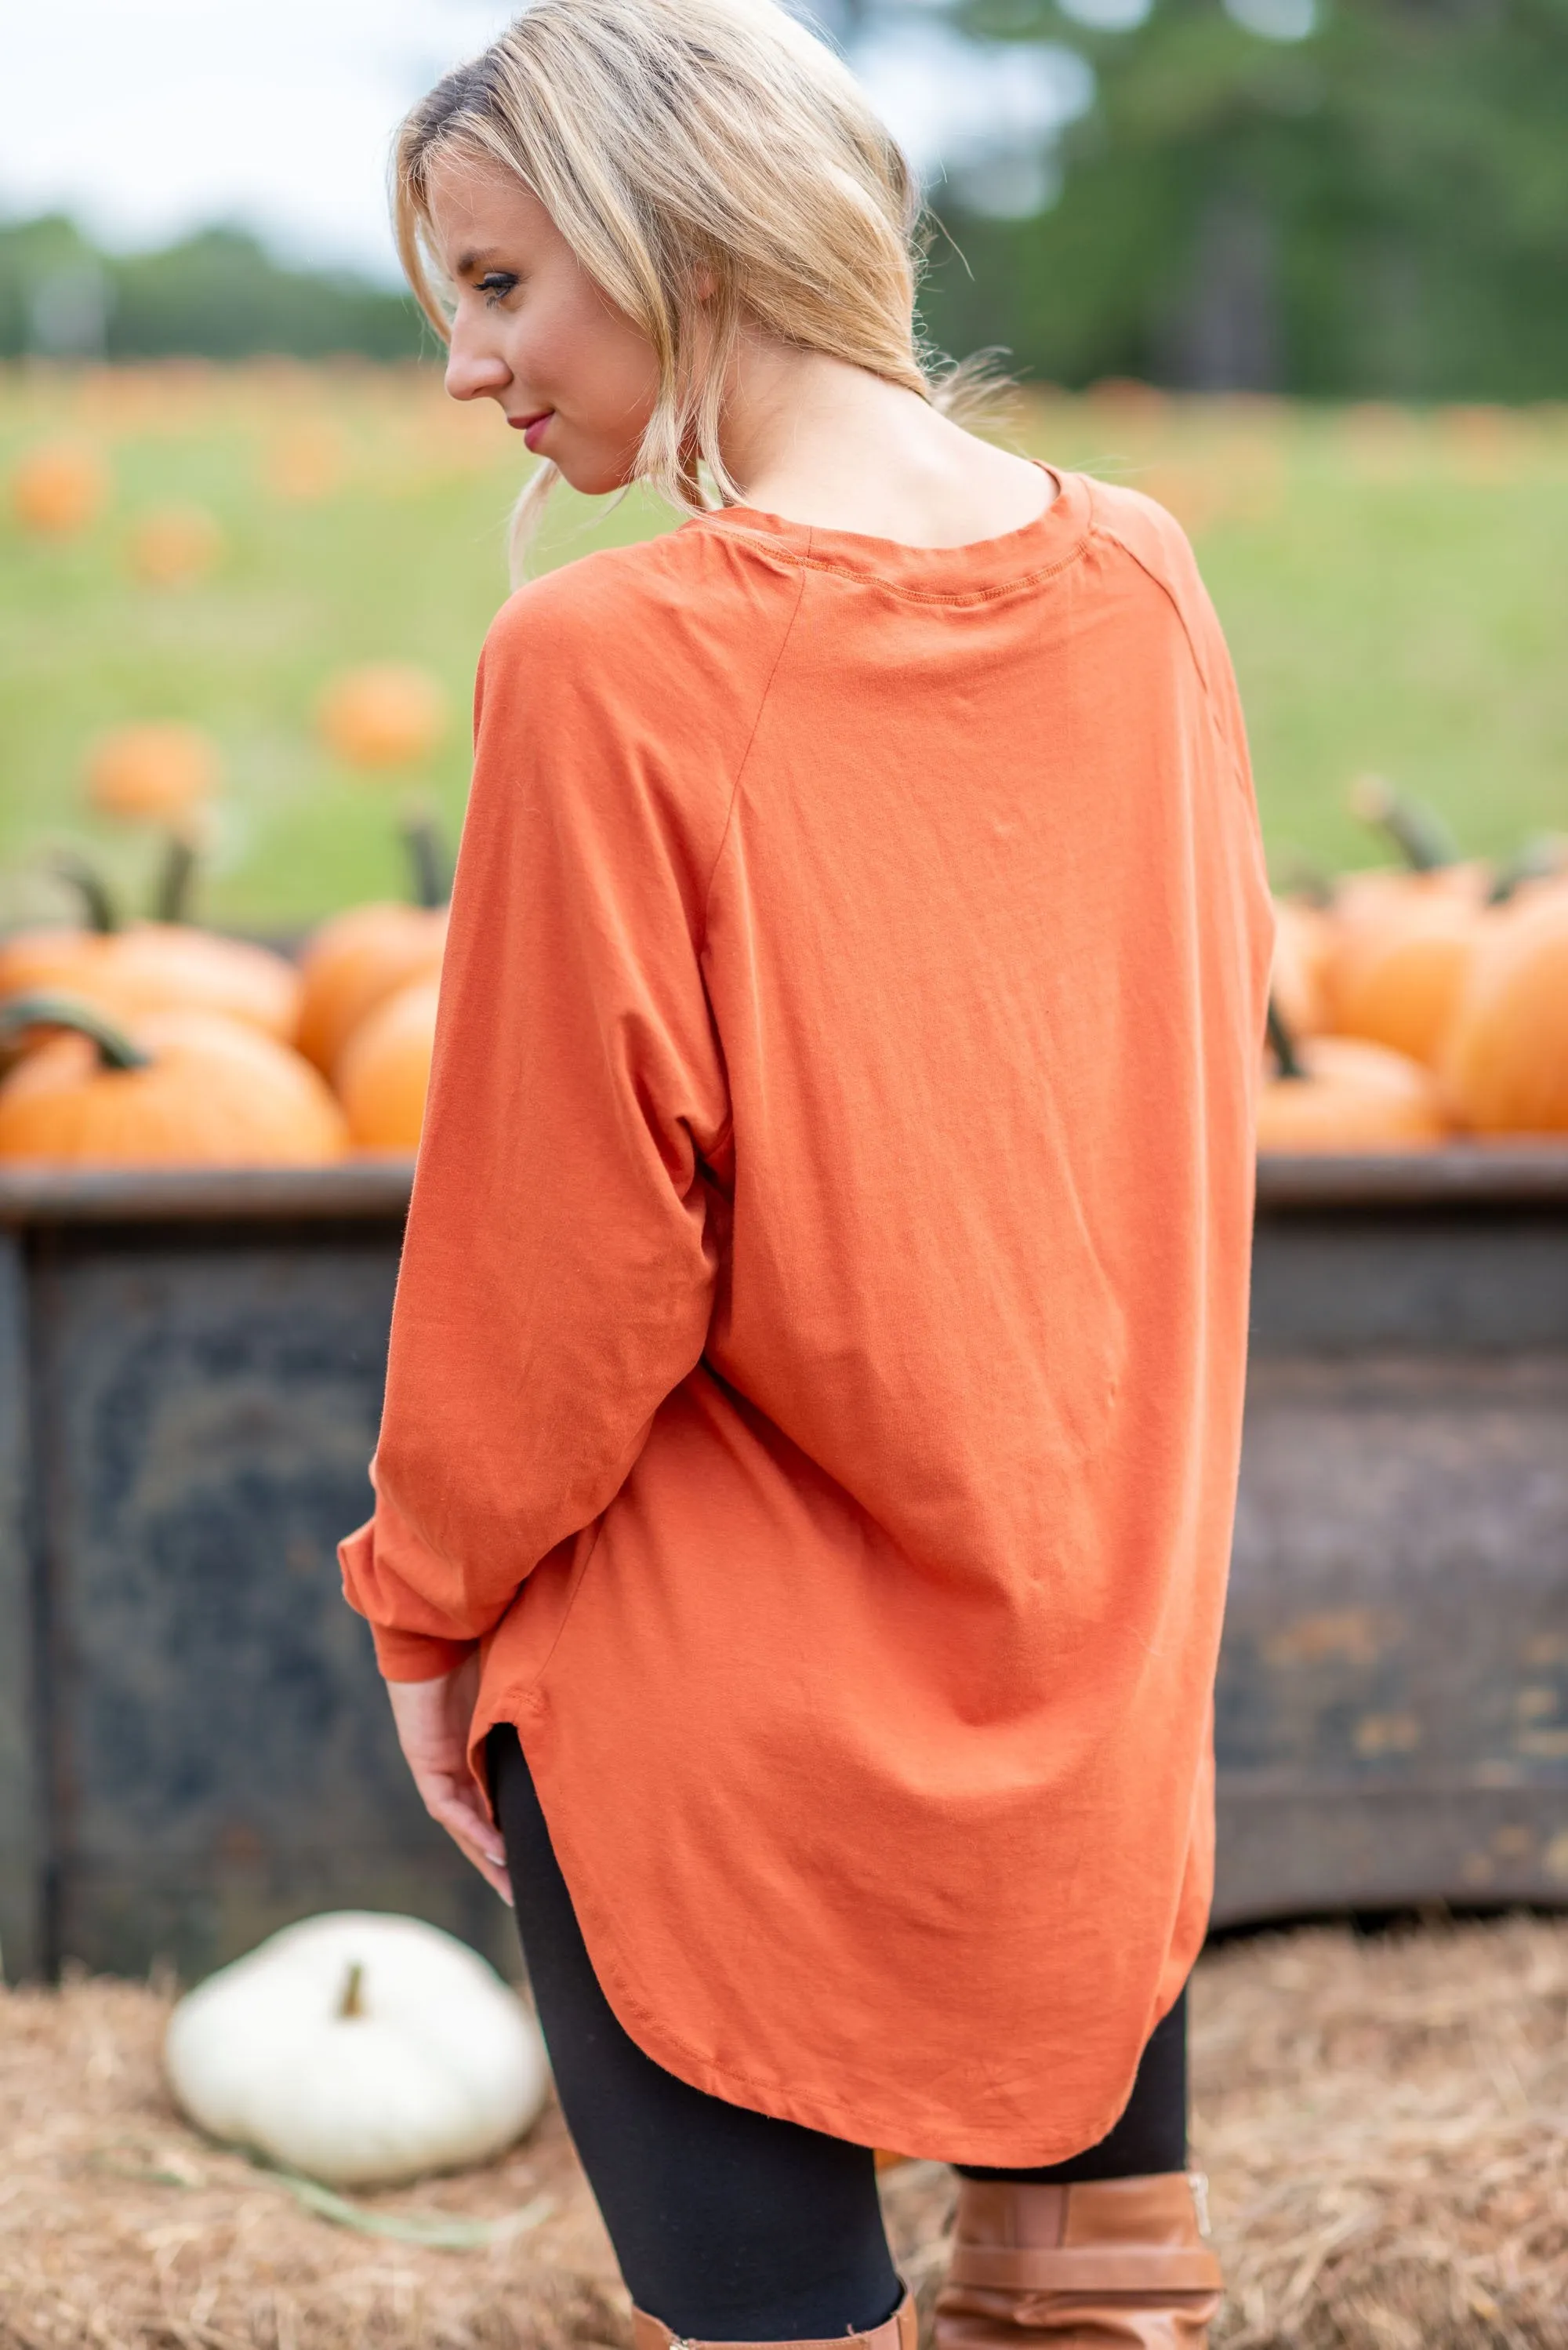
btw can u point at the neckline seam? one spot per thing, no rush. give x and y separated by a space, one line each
806 559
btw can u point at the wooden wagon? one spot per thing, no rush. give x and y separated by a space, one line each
194 1746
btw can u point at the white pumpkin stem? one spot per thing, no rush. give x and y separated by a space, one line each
351 2004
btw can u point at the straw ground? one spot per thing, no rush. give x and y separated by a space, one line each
1382 2122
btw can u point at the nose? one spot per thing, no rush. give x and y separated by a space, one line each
473 372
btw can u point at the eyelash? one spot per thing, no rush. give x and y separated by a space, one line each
495 286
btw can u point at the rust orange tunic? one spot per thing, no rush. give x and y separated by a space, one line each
816 1369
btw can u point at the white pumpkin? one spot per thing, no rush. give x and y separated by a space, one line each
359 2048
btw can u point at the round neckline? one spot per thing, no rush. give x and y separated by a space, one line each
980 567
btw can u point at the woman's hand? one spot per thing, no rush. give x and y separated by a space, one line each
432 1720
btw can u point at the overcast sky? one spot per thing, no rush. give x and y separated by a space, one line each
145 118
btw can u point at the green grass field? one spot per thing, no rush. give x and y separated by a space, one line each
1393 585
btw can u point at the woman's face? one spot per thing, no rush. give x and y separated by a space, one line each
534 333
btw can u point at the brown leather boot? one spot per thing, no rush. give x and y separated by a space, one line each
1105 2264
896 2333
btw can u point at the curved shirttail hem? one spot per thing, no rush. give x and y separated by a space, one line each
931 2139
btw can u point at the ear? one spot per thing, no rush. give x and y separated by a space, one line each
704 282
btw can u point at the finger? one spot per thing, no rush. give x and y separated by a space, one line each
460 1815
494 1872
496 1879
489 1855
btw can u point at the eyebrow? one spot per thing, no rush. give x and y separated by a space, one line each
467 263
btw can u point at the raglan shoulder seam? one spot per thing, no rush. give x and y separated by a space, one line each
1102 525
744 760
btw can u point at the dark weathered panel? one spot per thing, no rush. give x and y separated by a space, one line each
225 1758
22 1838
1392 1716
1296 1848
1392 1693
1347 1281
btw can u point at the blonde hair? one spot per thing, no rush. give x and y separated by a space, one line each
679 144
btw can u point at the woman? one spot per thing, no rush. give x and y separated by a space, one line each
804 1487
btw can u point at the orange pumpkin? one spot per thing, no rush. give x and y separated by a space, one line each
157 967
1343 1093
307 460
383 1071
1303 943
355 960
1398 959
175 545
185 1089
151 770
58 488
384 714
1505 1063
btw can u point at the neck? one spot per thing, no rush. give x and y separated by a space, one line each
818 440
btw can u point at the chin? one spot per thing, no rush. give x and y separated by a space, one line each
593 473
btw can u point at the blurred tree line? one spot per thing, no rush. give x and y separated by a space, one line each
218 293
1378 208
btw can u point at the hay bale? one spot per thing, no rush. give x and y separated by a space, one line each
121 2226
1384 2127
1382 2123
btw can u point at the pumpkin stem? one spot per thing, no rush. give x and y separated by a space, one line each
1537 860
1417 832
427 859
171 892
1284 1043
102 915
47 1010
351 2004
1306 878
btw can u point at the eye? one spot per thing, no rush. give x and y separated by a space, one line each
496 285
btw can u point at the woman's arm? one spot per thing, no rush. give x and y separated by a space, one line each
556 1274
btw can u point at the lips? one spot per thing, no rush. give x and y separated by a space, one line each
532 427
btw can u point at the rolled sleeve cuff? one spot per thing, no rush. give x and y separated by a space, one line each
403 1652
417 1656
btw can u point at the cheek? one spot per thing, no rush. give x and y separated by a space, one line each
603 369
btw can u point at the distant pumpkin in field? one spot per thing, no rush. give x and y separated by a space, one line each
382 715
59 487
151 770
307 460
173 545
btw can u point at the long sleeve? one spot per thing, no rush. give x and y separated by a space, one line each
557 1271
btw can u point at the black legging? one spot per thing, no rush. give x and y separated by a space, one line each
730 2225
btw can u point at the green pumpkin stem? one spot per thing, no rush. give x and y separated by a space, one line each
1417 832
351 2004
172 894
46 1009
429 869
1306 878
1284 1043
102 914
1537 860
